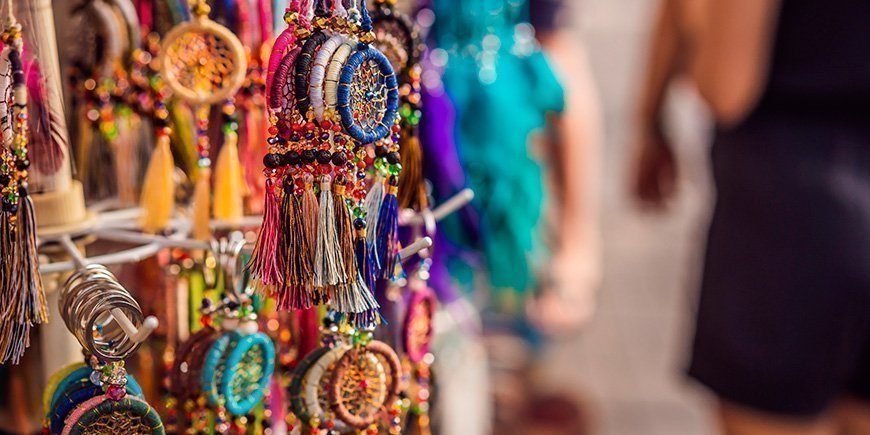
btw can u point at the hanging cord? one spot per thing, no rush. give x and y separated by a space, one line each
366 36
199 8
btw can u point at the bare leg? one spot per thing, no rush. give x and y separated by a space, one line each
853 417
736 420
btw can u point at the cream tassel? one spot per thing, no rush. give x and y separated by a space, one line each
158 191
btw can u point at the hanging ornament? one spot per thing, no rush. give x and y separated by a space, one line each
22 296
203 63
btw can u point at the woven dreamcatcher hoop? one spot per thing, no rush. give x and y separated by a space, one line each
97 26
202 61
351 382
368 96
237 370
396 36
102 414
417 331
248 369
76 394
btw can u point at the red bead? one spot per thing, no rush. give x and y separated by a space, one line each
273 130
296 127
310 126
368 160
396 128
336 128
330 425
326 125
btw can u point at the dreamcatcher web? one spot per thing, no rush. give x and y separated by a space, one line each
363 386
119 422
201 62
249 373
369 95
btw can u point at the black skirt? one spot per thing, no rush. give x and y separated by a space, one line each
784 316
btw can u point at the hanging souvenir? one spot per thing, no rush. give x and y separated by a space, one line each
350 383
115 411
398 37
99 397
22 296
204 63
318 163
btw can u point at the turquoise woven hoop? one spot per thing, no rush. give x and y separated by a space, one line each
243 405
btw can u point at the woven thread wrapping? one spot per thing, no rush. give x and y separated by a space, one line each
127 416
351 96
303 69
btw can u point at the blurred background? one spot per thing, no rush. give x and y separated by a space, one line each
627 364
629 360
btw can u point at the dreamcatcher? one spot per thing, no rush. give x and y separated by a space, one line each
22 297
204 63
70 389
417 335
222 374
110 142
99 397
332 97
398 37
351 383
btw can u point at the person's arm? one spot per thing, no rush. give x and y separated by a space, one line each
734 51
655 172
667 56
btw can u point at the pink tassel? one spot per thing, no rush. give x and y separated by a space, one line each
267 260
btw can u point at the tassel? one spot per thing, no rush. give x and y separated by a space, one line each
328 263
370 315
296 293
228 183
30 281
386 243
412 192
201 200
158 190
47 123
365 261
23 295
267 260
356 299
372 205
309 225
344 228
124 157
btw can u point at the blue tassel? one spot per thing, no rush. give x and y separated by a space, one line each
387 231
365 260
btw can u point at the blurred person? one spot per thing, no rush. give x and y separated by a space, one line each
572 149
783 324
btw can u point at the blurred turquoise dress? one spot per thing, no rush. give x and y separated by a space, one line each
502 87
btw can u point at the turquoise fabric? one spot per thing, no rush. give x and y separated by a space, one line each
503 87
